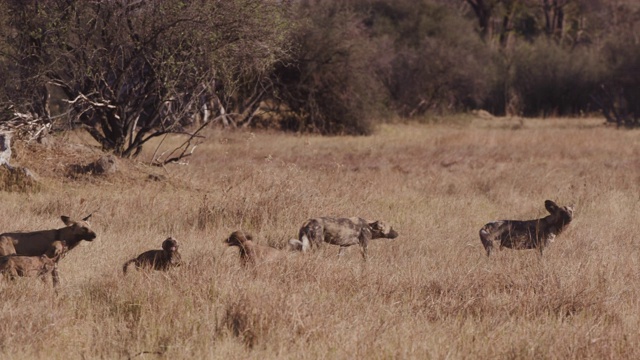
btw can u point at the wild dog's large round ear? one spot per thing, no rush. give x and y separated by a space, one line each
375 225
66 220
87 217
248 236
550 206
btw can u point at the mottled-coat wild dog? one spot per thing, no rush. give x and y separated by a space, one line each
529 234
162 260
14 265
250 252
343 232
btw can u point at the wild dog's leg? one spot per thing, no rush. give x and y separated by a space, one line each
485 237
364 251
363 239
13 273
364 243
305 243
55 277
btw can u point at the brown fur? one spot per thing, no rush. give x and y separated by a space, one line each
162 260
13 266
343 232
250 252
36 243
529 234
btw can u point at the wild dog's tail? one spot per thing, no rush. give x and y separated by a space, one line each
126 265
486 240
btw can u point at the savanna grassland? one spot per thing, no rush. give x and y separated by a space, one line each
432 293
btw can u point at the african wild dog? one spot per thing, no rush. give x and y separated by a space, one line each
163 259
530 234
342 232
250 252
37 243
14 265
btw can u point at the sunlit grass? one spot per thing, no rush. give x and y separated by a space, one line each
430 293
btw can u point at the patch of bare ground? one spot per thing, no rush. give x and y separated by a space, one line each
430 293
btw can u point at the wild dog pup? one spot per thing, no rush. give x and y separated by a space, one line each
163 259
250 252
343 232
13 266
530 234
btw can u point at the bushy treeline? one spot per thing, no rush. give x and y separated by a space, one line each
517 57
130 71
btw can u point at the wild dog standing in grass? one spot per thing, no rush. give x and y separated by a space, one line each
37 243
530 234
14 265
163 259
342 232
250 252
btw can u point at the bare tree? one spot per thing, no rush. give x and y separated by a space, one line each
135 70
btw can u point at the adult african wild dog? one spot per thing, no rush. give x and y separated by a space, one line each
343 232
530 234
37 243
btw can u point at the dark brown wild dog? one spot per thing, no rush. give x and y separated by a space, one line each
163 259
529 234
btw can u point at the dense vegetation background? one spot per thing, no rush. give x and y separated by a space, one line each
129 71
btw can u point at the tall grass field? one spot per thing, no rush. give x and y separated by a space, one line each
431 293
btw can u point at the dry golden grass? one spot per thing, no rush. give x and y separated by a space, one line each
431 293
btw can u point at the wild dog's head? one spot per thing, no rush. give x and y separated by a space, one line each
170 245
560 215
380 229
80 229
238 238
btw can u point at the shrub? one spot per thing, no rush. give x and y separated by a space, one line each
550 80
328 86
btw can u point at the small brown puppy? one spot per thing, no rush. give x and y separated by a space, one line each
250 252
163 259
13 266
